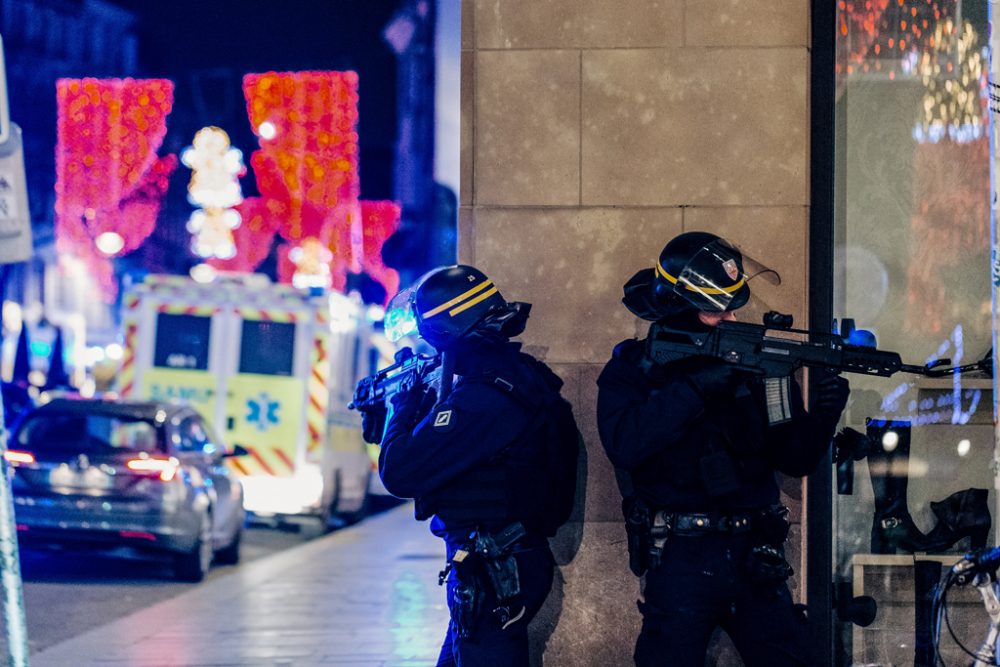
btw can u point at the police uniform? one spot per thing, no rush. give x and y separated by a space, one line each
702 457
479 462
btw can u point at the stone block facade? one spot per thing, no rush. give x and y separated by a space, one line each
593 132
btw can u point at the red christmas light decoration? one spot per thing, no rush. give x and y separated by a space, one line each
886 36
307 126
379 219
858 22
108 177
254 236
307 166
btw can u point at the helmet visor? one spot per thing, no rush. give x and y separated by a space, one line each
400 316
716 277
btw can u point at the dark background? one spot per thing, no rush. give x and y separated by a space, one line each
205 48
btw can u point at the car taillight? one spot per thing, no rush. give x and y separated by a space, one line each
17 458
164 468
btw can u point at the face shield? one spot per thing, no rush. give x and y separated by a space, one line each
400 316
716 277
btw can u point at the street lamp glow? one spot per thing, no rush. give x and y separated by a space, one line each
964 446
203 273
109 243
890 440
267 130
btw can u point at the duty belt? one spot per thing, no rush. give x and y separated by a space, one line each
696 523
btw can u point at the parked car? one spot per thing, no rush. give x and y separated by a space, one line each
16 401
150 475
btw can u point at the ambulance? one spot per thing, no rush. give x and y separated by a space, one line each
273 367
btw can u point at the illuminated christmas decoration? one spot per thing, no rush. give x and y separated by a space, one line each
886 37
109 180
307 173
379 220
297 260
216 168
312 263
253 237
857 29
954 78
307 125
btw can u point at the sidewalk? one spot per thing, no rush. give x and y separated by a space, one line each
365 596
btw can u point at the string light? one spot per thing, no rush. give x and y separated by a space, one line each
216 168
954 103
109 180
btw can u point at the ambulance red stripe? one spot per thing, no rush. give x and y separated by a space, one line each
284 457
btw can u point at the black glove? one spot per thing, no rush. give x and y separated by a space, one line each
715 379
373 423
830 397
413 403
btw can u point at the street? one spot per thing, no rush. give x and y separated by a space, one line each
67 593
366 596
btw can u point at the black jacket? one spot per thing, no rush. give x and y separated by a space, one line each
656 426
447 455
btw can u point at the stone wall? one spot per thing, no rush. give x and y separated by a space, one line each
592 132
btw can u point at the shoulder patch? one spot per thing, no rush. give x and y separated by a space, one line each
443 420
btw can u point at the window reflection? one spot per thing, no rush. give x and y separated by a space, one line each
912 229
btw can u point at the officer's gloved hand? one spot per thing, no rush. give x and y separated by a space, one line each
413 403
373 423
830 397
715 379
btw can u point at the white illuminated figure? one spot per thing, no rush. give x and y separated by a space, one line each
312 263
215 171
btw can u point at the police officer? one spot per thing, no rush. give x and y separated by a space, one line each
702 443
493 462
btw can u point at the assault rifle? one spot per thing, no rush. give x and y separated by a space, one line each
410 370
774 349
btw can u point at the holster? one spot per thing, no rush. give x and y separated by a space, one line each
647 532
766 562
501 566
767 565
492 555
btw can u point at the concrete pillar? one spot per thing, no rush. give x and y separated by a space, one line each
593 132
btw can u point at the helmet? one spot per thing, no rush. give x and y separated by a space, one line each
453 302
695 271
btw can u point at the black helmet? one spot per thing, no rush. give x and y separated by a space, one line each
695 271
452 302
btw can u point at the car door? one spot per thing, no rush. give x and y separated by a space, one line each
205 452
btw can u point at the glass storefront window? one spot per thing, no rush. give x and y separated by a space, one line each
912 265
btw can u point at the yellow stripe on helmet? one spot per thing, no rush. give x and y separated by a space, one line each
470 304
458 299
704 290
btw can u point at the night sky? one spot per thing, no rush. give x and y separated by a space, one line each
207 47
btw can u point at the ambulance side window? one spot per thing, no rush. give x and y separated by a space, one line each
267 348
181 341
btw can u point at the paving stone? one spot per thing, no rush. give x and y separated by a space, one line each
365 596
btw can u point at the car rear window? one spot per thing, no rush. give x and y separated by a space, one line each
87 434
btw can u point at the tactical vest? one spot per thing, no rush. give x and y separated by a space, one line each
522 483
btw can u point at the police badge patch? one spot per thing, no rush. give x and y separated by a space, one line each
442 420
731 269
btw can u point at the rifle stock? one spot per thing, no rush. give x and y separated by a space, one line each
777 351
